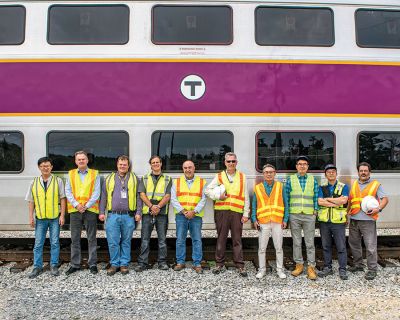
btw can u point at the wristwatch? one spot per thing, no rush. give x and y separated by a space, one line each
380 209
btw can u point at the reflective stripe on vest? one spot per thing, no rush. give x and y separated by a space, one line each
333 214
234 192
82 191
189 198
302 201
160 190
46 201
132 183
269 208
356 196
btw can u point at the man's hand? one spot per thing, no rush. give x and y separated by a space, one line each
155 210
244 219
284 225
138 217
223 196
81 208
102 217
256 225
32 221
61 220
190 214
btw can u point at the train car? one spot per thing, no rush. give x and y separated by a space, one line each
269 80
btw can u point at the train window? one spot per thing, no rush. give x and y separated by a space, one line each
12 25
378 28
88 24
103 147
283 26
205 148
282 148
11 151
380 149
192 25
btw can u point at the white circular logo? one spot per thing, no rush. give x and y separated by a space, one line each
193 87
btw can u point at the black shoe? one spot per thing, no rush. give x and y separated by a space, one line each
325 272
242 272
218 270
343 275
163 266
71 270
93 270
356 268
139 268
35 272
370 275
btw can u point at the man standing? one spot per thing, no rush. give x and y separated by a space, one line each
119 197
83 192
268 216
44 196
188 199
363 224
332 199
302 193
155 192
232 209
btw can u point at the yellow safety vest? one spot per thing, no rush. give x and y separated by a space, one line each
160 191
301 201
83 191
356 196
46 201
333 214
132 184
234 191
189 198
269 208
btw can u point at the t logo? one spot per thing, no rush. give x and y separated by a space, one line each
193 87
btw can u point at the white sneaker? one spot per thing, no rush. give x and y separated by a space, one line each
281 274
260 274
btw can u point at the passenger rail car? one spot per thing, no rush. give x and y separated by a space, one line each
269 80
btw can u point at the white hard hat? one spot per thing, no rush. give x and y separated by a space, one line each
218 191
368 203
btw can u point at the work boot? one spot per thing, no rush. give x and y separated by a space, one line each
218 269
242 272
370 275
111 271
343 274
356 268
179 267
325 272
124 270
198 269
311 274
54 271
298 270
35 272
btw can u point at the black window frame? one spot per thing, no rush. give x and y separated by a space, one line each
24 26
358 150
193 131
191 43
295 45
356 29
289 131
22 152
87 131
87 5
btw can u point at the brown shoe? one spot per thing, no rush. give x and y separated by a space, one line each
198 269
179 267
111 271
124 270
298 270
311 274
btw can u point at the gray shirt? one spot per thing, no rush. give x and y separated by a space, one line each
142 188
119 203
361 215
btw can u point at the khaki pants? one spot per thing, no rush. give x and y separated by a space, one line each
266 231
303 222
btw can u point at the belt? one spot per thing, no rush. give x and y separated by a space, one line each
119 212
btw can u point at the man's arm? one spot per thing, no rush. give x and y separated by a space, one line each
68 193
174 199
95 195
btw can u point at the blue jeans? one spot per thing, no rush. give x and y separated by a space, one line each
161 224
119 230
41 226
333 232
184 224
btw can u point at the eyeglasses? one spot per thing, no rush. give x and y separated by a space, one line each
230 161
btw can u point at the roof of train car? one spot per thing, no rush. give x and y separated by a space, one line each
324 2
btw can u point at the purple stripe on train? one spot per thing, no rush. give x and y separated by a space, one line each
230 87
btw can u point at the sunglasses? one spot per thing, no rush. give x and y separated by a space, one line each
230 161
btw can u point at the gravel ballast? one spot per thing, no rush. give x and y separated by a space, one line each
155 294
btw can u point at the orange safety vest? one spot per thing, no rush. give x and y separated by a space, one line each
83 191
269 208
189 198
356 196
234 191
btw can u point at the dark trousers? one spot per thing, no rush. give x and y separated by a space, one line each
161 223
77 220
334 232
367 230
226 220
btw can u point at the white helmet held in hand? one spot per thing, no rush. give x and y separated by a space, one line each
368 203
218 191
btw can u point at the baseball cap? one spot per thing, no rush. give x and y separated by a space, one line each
330 166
